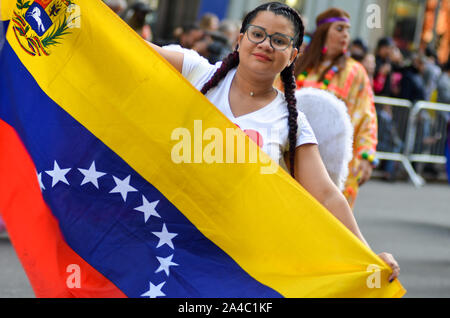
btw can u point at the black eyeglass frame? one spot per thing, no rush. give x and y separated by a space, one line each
291 39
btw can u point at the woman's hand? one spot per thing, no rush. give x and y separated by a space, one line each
385 69
365 170
390 260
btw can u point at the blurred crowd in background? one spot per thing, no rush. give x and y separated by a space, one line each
210 37
414 76
393 72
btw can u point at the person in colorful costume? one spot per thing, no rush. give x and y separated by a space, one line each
326 65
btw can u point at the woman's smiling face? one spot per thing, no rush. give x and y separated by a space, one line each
263 58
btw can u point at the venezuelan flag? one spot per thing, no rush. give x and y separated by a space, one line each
88 185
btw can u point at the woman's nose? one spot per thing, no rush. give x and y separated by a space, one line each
266 44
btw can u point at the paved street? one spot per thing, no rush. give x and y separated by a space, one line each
412 224
13 282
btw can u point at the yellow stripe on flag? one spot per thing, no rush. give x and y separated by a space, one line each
113 83
6 7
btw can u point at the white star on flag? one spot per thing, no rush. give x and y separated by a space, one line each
91 175
154 291
58 174
165 264
165 237
123 187
41 185
148 209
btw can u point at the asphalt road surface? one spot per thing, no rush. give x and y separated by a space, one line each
412 224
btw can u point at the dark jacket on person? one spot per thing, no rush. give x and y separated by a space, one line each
386 89
412 85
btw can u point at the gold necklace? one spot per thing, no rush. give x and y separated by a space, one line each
252 94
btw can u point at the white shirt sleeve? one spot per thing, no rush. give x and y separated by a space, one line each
196 68
305 133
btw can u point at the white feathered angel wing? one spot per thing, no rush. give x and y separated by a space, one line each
332 126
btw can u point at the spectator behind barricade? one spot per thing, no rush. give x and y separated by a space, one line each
190 35
388 69
413 89
443 85
358 50
412 83
214 47
396 59
431 74
388 141
209 22
138 20
443 96
118 6
369 64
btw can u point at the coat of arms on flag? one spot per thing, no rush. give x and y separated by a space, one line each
41 24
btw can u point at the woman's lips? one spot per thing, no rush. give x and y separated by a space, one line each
262 57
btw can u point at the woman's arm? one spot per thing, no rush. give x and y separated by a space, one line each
311 173
174 58
365 124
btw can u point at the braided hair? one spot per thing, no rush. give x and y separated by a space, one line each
287 75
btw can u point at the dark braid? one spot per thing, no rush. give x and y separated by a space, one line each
230 62
287 75
288 78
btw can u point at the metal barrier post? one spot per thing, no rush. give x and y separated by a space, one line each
435 154
402 157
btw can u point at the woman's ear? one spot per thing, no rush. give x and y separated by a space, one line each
241 36
293 56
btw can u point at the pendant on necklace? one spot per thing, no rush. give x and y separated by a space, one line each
252 94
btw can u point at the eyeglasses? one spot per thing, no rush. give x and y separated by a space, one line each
278 41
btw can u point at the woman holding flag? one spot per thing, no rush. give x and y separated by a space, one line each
242 87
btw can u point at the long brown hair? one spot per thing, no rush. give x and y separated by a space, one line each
309 61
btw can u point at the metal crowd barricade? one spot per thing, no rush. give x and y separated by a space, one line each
394 124
412 133
427 135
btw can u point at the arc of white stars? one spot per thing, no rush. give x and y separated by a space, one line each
165 237
148 209
154 291
165 263
91 175
123 187
58 174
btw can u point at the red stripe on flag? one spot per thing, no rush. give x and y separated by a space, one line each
43 3
34 231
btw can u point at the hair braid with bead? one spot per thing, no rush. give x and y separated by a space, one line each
288 78
287 75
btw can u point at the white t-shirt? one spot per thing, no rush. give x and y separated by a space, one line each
268 126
